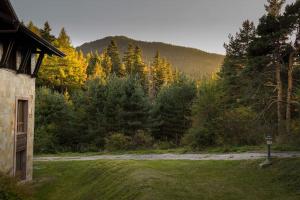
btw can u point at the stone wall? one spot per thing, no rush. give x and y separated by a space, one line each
12 87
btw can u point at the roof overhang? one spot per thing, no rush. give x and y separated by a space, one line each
40 42
9 17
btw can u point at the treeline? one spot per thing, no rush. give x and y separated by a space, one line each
257 91
103 101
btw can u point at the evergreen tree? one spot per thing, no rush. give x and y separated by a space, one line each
161 72
46 33
106 63
117 66
139 67
274 7
33 28
129 59
171 113
113 106
135 107
94 68
64 39
236 59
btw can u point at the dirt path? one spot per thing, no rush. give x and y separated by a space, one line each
232 156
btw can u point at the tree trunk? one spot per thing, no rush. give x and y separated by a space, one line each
279 96
289 92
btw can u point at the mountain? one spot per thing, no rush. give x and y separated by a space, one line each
189 60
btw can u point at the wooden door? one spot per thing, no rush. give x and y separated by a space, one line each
21 139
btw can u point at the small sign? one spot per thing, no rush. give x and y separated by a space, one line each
269 142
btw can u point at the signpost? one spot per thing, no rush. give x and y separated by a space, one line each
268 161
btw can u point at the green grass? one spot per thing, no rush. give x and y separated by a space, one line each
144 151
10 189
183 150
167 180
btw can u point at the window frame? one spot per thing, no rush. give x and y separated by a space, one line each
25 134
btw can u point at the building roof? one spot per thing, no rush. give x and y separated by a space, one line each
11 24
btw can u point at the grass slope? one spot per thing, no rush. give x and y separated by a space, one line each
189 60
167 180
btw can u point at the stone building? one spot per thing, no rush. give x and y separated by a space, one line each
21 55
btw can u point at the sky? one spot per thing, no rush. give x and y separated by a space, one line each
202 24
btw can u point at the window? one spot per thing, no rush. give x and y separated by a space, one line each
18 59
22 116
33 63
1 51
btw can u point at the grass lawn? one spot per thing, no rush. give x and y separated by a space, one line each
183 150
167 180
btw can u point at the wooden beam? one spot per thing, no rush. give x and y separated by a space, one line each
6 18
38 64
7 53
24 61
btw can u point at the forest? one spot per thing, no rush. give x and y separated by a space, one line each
191 61
104 101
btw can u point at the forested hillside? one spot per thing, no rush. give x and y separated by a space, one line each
192 61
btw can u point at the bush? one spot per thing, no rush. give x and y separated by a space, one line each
10 190
292 138
45 140
117 141
207 110
199 137
240 128
164 145
142 140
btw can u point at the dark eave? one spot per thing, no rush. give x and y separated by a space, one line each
41 43
12 11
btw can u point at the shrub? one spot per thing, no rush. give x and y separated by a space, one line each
142 140
164 145
206 113
240 128
11 190
117 141
199 137
292 138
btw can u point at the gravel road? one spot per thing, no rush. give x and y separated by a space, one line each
230 156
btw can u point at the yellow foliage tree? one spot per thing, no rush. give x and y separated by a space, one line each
66 73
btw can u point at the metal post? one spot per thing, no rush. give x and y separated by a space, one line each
268 161
269 152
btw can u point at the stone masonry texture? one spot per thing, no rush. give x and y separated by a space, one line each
12 87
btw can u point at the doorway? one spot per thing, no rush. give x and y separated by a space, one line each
21 139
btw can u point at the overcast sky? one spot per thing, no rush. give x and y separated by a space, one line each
203 24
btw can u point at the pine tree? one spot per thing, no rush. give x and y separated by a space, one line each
94 68
171 113
46 33
33 28
139 68
129 59
158 76
291 21
117 66
106 63
235 61
162 72
64 39
135 107
274 7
